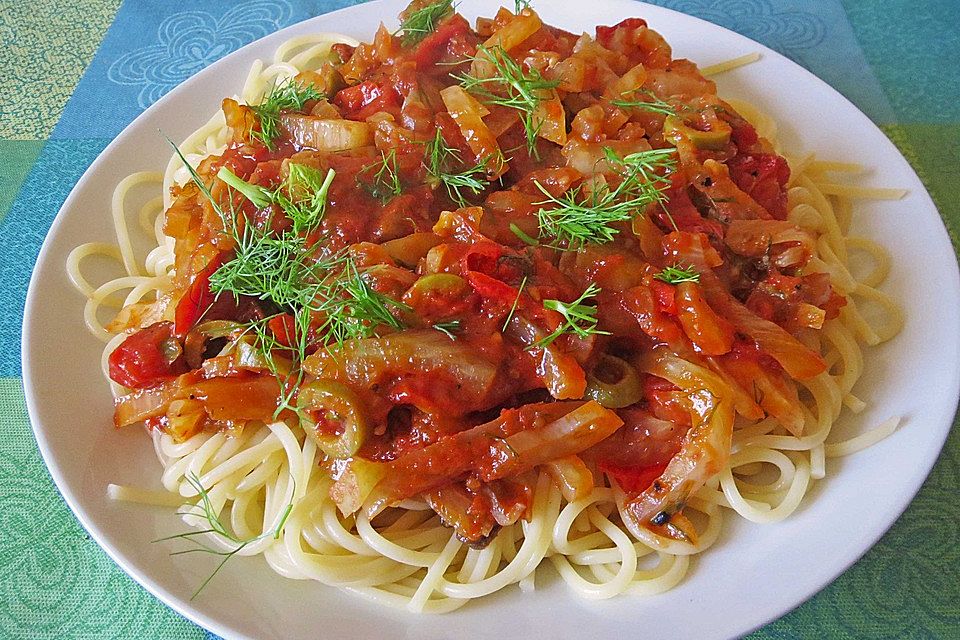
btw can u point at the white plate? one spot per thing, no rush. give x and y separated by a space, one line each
751 576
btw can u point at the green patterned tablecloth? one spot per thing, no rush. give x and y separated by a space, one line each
73 74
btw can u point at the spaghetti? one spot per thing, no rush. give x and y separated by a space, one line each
277 492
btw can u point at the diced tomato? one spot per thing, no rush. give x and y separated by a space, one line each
664 294
148 358
605 34
197 299
284 329
432 48
640 304
491 289
763 176
494 260
365 99
633 479
744 135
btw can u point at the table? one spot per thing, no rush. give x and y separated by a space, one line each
74 74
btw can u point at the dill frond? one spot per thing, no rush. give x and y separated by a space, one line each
510 86
422 22
579 318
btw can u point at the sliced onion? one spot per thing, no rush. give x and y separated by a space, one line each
572 477
326 134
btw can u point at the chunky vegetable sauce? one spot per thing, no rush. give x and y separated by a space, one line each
456 255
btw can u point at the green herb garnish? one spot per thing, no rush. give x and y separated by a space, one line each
520 5
326 295
447 328
352 308
303 196
288 96
385 184
513 307
510 86
442 161
422 22
575 220
677 273
524 236
651 103
217 527
579 319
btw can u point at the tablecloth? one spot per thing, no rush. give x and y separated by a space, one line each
73 74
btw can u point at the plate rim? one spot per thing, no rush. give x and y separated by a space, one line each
181 604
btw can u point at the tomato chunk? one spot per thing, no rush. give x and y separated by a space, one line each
197 299
148 358
365 99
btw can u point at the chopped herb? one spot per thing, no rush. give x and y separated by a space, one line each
303 196
651 103
386 183
422 22
218 528
288 96
254 193
442 161
513 307
579 319
677 273
575 220
517 231
284 269
520 5
447 328
228 222
510 86
352 308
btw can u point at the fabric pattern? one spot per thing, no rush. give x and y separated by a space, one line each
189 41
75 74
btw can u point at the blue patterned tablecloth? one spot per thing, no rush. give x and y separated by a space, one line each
75 74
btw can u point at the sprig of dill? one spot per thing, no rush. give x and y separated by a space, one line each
510 86
303 196
283 268
513 307
217 527
385 183
445 167
422 22
447 328
229 225
523 235
351 308
575 220
677 273
579 318
287 96
651 103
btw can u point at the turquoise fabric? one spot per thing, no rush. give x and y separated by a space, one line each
76 74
